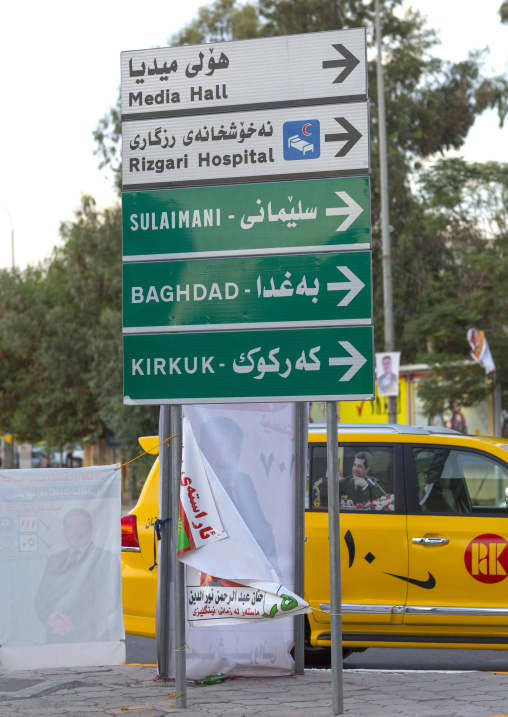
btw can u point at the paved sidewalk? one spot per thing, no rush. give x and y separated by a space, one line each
104 691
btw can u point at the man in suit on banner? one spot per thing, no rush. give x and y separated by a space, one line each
221 443
81 586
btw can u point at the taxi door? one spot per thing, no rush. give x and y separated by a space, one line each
373 542
458 546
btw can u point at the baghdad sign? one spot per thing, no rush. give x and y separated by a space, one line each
310 68
248 292
249 366
294 142
274 217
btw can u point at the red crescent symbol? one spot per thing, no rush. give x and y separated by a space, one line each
307 134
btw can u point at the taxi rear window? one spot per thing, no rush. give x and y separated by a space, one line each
366 480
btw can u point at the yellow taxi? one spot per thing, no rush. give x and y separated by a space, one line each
424 540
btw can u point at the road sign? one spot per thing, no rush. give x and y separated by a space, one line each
248 292
279 71
274 217
295 142
249 366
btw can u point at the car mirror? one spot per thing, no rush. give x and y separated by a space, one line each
506 495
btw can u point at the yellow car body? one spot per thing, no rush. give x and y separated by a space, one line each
424 558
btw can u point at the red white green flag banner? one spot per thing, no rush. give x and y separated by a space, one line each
199 522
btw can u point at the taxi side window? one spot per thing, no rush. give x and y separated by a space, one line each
454 481
366 481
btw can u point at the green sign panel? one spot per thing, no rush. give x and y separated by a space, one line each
248 292
274 218
224 367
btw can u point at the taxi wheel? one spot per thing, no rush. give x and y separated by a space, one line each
317 656
322 656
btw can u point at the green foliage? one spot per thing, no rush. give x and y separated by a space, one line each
108 137
467 215
223 20
450 382
503 12
448 221
61 340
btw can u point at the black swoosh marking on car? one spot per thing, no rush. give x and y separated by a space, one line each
425 584
350 544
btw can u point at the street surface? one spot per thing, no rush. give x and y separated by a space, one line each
142 650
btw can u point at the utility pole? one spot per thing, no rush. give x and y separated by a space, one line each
385 214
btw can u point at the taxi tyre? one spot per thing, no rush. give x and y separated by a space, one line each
322 656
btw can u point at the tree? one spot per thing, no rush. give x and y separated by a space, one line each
467 212
430 107
61 340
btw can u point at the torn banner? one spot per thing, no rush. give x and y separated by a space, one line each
232 579
481 351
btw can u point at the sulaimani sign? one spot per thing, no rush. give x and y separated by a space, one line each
267 218
312 68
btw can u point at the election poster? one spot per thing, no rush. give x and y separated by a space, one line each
481 350
245 578
233 578
61 598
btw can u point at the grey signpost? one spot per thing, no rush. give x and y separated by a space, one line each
246 238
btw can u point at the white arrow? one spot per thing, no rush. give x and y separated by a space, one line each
355 285
355 360
353 211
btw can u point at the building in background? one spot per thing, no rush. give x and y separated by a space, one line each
481 419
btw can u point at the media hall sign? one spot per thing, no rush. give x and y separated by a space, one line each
258 151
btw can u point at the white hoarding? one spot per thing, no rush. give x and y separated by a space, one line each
277 71
254 145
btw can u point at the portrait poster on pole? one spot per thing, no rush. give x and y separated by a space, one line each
60 540
387 373
250 451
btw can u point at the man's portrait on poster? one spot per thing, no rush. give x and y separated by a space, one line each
387 373
221 441
81 586
360 487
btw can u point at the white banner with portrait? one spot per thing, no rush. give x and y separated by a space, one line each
61 598
250 449
387 373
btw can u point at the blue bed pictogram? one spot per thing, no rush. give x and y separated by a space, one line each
301 140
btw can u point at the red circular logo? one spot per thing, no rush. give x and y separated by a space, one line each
486 558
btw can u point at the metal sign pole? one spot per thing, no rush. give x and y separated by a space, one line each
179 568
300 477
332 454
163 605
385 213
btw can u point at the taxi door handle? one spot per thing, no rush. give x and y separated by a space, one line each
431 541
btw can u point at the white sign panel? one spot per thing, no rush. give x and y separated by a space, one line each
277 71
255 145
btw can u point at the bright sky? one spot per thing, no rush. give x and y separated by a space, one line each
61 73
